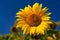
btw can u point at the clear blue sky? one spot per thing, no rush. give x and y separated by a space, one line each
8 9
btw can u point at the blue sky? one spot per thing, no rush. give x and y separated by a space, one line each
8 9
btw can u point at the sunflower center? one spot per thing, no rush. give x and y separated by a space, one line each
33 20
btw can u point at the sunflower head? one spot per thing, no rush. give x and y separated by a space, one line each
53 25
33 19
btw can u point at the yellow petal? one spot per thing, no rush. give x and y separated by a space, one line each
25 29
22 10
27 10
43 11
40 7
32 30
36 8
49 13
45 18
39 31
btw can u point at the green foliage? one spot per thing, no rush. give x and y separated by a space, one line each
15 36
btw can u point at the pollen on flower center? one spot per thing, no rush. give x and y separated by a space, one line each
33 20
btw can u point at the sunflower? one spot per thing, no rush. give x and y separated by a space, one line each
33 20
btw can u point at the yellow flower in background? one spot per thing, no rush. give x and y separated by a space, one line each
33 20
50 38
